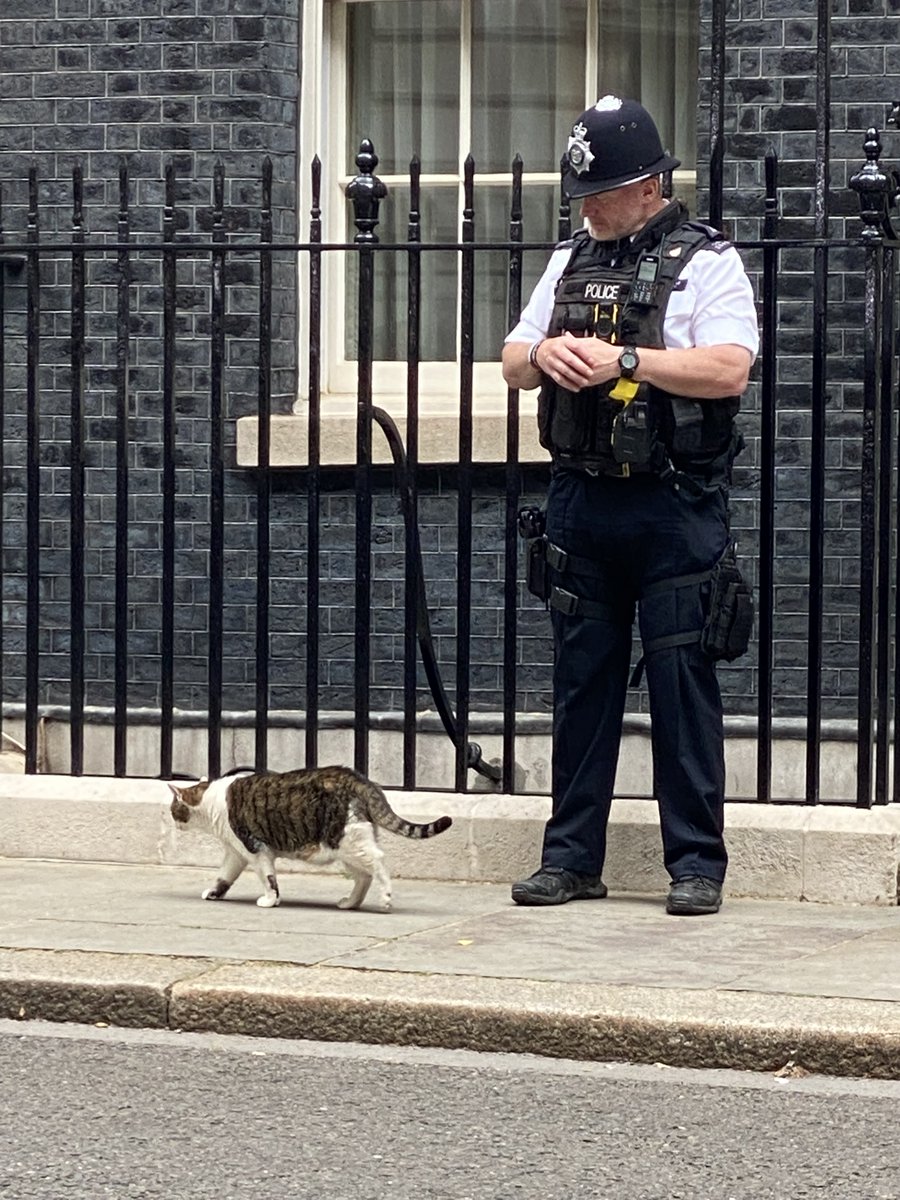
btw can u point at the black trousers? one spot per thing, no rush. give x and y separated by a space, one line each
635 532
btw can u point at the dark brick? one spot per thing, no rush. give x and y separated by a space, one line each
266 70
125 57
789 117
120 84
178 29
70 33
872 32
250 29
181 137
124 31
168 83
126 111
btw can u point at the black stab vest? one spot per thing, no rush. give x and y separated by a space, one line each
603 292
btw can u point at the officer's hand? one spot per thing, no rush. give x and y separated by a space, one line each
562 359
579 362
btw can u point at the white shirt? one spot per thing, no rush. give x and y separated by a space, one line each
714 308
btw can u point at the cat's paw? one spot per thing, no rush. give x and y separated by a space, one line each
211 893
348 902
269 901
383 906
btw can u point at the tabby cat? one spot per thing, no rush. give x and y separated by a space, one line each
319 814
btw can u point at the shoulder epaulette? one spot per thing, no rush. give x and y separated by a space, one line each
710 230
716 240
564 245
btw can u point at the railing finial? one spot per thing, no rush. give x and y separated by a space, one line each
365 192
878 190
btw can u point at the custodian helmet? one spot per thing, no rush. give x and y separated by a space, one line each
613 143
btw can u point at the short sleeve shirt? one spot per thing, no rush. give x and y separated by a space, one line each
714 307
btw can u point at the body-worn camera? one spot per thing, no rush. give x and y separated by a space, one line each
632 437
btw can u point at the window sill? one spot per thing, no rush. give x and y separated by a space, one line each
438 434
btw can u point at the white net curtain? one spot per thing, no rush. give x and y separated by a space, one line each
442 78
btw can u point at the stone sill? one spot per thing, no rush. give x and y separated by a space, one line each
438 435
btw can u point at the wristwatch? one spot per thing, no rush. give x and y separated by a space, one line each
628 362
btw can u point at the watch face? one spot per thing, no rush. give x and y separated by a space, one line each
628 360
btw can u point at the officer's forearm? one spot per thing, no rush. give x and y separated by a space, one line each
703 372
517 370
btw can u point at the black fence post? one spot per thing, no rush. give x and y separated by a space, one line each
413 584
512 478
819 403
76 482
365 192
887 351
32 474
877 191
123 401
263 474
464 487
216 478
564 211
313 489
3 262
768 394
167 590
717 113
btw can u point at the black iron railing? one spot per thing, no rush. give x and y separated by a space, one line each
98 661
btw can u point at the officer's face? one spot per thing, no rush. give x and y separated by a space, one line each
622 211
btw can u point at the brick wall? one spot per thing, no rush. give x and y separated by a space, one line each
771 103
197 81
144 83
140 83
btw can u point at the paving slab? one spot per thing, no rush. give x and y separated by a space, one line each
864 967
168 896
628 941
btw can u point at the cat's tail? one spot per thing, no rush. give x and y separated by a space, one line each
382 815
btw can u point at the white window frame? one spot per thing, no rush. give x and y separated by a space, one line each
322 132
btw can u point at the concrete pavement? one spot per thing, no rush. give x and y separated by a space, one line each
101 922
765 985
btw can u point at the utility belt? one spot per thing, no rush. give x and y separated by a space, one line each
727 628
625 440
664 469
603 466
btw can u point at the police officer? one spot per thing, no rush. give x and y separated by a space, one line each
641 334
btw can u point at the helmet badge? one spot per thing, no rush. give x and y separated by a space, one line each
579 151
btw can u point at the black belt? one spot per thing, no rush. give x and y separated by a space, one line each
607 467
610 469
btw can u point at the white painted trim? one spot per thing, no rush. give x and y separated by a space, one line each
323 131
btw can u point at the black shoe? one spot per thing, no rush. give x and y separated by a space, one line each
558 885
694 895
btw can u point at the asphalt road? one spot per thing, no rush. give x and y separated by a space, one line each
87 1113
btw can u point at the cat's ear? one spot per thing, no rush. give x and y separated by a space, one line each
175 789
